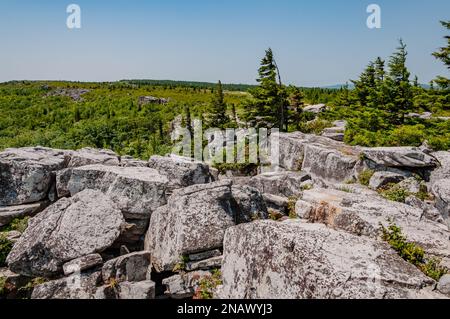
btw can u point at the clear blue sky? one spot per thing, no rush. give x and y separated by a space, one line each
317 43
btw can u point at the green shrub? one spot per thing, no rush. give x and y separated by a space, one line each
3 287
208 284
407 135
181 265
291 207
18 224
5 247
411 252
365 176
395 193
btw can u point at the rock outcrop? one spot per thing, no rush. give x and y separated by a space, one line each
266 259
194 220
87 223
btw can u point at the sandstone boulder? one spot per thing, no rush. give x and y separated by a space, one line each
184 286
131 267
26 174
193 221
362 214
406 157
441 191
381 179
295 260
181 171
285 184
90 156
71 228
9 213
136 190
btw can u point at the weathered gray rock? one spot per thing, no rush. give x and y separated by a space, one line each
361 214
336 163
248 204
317 108
412 185
336 133
82 264
205 255
181 171
78 286
211 263
71 228
12 235
443 171
303 209
408 157
128 161
9 213
184 286
295 260
136 190
285 184
137 290
12 284
90 156
441 191
444 285
276 203
132 267
429 211
26 174
381 179
194 220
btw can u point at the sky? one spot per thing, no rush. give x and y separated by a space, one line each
316 43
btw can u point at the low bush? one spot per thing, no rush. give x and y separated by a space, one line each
365 176
5 247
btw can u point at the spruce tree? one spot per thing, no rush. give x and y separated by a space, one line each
444 55
219 117
398 87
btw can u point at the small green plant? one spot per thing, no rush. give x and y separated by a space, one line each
395 193
365 176
411 252
5 248
3 287
207 285
306 187
291 207
28 288
18 224
345 189
350 181
181 265
274 215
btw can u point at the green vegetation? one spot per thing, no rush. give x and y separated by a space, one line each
411 252
18 224
181 265
28 288
365 176
5 247
291 207
208 284
3 288
395 193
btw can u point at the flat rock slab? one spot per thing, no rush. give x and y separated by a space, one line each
90 156
285 184
9 213
295 260
136 190
361 214
71 228
26 174
441 191
407 157
132 267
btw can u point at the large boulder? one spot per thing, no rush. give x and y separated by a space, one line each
131 267
136 190
443 171
90 156
78 286
362 215
181 171
381 179
406 157
441 191
193 221
296 260
71 228
285 184
26 174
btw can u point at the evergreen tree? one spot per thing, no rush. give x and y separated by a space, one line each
398 87
219 116
296 104
444 55
269 98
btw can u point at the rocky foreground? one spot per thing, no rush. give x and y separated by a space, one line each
111 227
